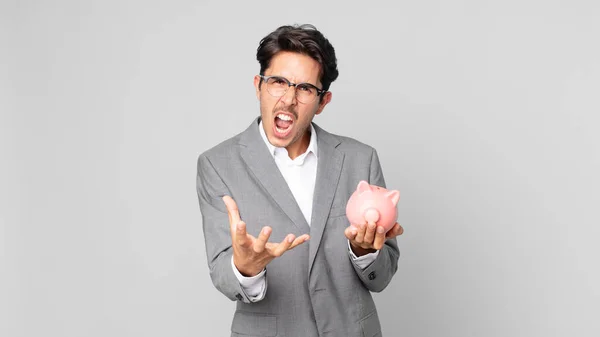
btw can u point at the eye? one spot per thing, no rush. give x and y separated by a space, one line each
278 81
306 88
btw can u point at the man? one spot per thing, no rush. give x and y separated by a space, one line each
273 202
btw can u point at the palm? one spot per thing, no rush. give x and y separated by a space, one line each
252 254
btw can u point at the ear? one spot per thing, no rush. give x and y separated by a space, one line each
363 186
394 196
322 103
257 80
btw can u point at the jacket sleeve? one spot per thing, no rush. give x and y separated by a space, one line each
379 273
216 228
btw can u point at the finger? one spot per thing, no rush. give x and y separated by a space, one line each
263 238
379 238
392 232
350 232
360 233
400 230
395 231
241 238
283 246
232 210
370 233
299 240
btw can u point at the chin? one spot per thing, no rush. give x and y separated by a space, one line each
277 142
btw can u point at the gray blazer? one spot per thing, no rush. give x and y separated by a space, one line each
314 289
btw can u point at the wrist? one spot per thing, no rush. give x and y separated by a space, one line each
247 271
360 251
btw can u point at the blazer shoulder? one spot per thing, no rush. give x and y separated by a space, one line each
354 143
345 144
221 150
350 145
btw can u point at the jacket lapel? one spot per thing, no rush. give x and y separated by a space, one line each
256 155
329 167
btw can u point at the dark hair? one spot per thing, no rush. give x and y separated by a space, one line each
304 39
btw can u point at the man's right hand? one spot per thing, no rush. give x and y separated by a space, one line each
251 255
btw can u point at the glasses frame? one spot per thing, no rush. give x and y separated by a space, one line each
320 92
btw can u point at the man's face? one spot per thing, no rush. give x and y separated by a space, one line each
285 120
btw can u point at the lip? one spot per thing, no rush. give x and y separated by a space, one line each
291 115
289 130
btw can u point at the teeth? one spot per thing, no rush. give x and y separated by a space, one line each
280 130
284 117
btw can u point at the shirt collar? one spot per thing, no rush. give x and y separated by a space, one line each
312 145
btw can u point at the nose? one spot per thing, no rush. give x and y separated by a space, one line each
289 98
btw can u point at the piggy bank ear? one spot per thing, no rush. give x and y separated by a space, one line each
363 186
394 196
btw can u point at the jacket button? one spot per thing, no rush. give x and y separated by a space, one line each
238 296
372 275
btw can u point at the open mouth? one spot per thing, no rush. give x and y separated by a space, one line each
283 124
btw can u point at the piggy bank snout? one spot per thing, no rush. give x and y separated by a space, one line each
372 215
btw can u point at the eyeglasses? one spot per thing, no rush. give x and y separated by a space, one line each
277 86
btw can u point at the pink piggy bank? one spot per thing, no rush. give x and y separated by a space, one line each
370 203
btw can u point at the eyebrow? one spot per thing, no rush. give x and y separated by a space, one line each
294 82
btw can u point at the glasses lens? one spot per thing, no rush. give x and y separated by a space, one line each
277 86
306 93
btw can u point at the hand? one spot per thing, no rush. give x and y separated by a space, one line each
368 238
251 255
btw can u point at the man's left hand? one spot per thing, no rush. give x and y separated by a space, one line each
369 238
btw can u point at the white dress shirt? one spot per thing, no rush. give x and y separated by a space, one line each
300 174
